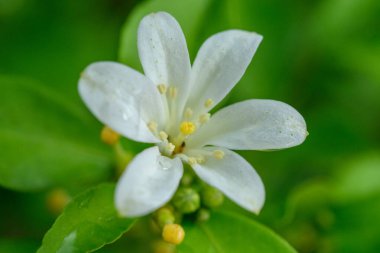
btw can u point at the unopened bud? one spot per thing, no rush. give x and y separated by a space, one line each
187 179
163 247
109 136
173 233
57 200
203 215
211 197
164 216
186 200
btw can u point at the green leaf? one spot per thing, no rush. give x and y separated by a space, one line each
189 13
88 223
226 232
47 140
358 178
17 245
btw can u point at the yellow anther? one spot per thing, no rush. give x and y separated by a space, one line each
188 113
201 159
187 127
152 125
161 88
170 147
109 136
209 102
204 118
218 154
163 135
173 233
173 92
192 160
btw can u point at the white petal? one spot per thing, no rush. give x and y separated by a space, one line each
149 181
220 64
235 177
122 98
252 125
163 53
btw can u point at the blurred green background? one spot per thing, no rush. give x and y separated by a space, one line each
322 57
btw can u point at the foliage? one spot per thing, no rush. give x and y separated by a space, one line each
322 57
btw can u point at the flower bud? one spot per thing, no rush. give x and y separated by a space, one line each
186 200
173 233
109 136
187 179
57 200
164 216
203 215
163 247
211 197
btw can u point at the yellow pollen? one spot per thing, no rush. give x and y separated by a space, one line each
161 88
209 102
201 159
170 147
187 127
152 125
192 160
163 135
204 118
173 91
188 113
218 154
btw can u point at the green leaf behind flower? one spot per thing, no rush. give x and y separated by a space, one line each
47 140
227 232
88 223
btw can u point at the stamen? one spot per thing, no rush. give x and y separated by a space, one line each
209 102
187 127
188 113
173 92
163 135
192 160
170 147
218 154
201 159
152 125
161 88
204 118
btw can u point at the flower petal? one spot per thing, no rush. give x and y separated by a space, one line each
235 177
252 125
149 181
122 98
219 65
163 53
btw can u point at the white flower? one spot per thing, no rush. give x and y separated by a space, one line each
169 106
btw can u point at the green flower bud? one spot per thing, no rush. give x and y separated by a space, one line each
187 179
164 216
186 200
203 215
163 247
212 197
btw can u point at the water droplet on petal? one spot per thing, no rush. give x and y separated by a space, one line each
164 163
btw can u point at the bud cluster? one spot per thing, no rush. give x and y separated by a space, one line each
193 200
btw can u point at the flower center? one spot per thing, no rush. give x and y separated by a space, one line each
181 123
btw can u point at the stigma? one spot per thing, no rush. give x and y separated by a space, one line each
187 127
